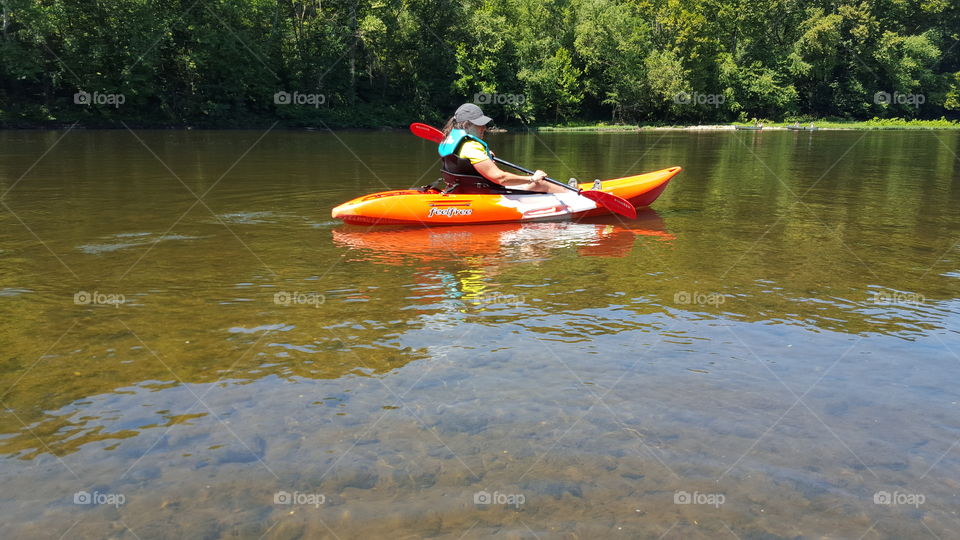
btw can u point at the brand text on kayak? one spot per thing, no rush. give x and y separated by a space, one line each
450 211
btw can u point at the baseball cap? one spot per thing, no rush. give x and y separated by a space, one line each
472 113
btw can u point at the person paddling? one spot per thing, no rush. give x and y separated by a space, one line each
467 164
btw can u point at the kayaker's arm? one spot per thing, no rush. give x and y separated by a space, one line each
491 172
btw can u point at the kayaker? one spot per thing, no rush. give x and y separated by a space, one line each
467 164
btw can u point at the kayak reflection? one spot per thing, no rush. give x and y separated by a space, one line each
607 236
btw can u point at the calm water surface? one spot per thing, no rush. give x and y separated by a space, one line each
191 348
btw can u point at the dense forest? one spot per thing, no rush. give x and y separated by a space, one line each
341 63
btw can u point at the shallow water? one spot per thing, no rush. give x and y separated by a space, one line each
191 342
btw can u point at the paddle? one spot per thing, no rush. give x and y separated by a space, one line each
607 200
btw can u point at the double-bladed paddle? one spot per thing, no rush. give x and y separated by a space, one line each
607 200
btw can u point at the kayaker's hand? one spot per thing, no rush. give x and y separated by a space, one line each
538 176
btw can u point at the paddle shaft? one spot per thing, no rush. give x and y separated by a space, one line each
528 171
607 200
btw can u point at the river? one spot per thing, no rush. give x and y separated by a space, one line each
192 348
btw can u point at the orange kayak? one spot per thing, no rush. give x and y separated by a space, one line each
412 207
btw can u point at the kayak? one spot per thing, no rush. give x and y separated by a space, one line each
748 128
415 207
802 128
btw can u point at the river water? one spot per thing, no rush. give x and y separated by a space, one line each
192 348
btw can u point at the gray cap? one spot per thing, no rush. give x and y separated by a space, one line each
472 113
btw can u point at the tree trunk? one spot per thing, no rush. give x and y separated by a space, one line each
354 31
6 20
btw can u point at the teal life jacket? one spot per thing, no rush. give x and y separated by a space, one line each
458 173
452 143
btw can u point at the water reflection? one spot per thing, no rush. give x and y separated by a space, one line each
502 242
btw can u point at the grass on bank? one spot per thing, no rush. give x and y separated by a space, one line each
872 124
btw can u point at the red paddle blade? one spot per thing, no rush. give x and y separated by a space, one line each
612 202
424 131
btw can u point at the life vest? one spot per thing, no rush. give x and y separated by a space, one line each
459 174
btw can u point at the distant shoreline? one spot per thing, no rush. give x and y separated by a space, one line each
868 125
895 124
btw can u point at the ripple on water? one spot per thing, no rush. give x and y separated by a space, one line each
279 327
11 291
248 218
146 238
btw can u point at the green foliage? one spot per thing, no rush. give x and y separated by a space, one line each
389 62
952 98
612 41
665 79
893 123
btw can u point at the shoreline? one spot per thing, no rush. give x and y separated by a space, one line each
867 125
874 125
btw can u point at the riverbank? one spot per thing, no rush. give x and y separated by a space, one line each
873 124
400 125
